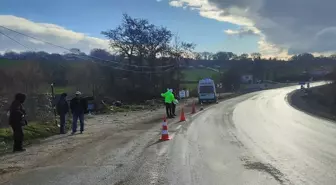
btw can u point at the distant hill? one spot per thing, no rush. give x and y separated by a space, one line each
210 63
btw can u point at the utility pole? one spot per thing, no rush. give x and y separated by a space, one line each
53 101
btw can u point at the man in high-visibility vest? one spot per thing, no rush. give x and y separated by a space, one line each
169 98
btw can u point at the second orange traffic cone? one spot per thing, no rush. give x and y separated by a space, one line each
183 118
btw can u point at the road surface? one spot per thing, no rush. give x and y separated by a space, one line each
254 139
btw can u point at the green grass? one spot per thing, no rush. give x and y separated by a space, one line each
60 90
32 132
8 63
197 74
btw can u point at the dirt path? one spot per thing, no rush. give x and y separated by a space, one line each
119 128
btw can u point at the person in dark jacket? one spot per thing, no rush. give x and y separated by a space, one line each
174 103
62 109
78 108
17 119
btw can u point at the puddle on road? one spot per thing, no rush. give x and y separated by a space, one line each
266 168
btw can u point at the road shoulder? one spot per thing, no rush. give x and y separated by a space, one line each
119 129
314 104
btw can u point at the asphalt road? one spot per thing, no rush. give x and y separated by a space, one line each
253 139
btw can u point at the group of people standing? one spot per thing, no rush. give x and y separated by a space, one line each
17 116
170 103
78 107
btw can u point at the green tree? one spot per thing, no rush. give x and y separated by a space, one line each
256 56
243 56
206 55
224 56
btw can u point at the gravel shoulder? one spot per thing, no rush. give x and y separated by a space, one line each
118 129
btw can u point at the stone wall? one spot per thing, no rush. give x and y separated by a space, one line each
38 108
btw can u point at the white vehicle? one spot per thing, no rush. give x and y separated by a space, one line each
207 91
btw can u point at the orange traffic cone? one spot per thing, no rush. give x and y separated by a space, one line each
165 134
183 118
193 111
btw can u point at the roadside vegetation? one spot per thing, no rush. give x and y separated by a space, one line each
32 132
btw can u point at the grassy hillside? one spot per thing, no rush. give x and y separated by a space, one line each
8 63
196 75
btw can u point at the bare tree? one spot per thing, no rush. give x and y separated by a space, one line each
256 56
145 44
138 40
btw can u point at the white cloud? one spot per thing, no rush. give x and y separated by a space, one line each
231 32
176 3
297 26
244 31
48 32
270 50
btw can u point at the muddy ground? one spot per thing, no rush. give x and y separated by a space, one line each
119 128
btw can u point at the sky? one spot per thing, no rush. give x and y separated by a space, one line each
273 28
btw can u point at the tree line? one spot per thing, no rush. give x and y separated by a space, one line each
301 67
145 61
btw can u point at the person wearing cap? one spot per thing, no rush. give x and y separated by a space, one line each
62 108
78 107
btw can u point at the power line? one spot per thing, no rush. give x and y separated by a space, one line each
143 72
130 65
78 54
16 41
2 33
81 57
127 70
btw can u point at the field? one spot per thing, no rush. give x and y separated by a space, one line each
196 75
60 90
7 63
